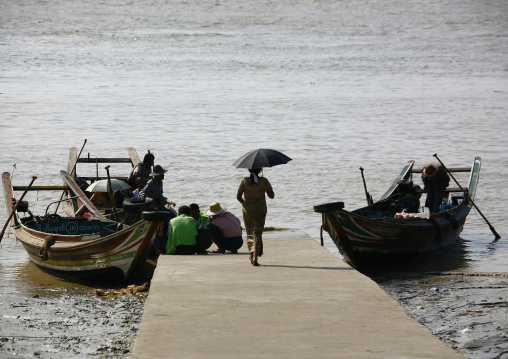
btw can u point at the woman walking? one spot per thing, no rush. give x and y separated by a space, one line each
251 194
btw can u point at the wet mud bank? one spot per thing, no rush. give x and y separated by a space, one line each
468 312
69 322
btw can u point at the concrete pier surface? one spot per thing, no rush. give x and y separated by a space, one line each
302 302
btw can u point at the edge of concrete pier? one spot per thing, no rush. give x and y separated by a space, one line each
302 302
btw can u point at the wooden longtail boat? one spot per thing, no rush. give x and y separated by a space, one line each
371 235
72 208
88 247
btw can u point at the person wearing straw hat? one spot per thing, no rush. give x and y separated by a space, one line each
435 180
226 229
251 194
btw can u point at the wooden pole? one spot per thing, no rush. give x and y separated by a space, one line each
70 174
75 163
16 207
469 198
112 198
369 197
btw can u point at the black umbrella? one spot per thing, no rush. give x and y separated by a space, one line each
260 158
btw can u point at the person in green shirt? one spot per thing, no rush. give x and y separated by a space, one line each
199 216
183 235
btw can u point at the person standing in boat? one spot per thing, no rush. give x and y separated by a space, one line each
435 180
251 194
142 170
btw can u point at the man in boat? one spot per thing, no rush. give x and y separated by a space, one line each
226 229
435 180
140 183
154 189
184 237
409 196
142 170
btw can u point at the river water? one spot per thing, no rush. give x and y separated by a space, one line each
335 85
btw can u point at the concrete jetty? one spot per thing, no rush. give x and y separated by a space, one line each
302 302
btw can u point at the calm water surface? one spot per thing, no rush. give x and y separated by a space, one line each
333 84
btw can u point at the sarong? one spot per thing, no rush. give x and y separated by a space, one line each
254 226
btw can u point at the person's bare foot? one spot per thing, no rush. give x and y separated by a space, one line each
222 251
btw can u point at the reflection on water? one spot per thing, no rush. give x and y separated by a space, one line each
26 279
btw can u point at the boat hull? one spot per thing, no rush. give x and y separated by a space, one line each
363 241
119 251
372 235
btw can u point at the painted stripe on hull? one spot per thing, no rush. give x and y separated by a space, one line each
121 256
122 263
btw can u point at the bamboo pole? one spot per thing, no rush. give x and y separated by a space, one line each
367 194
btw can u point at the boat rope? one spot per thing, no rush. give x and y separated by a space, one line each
48 242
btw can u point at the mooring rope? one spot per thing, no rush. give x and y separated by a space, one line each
48 242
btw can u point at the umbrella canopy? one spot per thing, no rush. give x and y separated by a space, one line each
103 186
260 158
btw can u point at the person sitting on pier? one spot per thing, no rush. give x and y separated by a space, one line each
435 180
142 170
200 217
184 237
226 229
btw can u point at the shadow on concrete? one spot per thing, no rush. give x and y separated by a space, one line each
306 267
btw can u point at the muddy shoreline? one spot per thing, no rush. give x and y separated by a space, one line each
468 312
72 322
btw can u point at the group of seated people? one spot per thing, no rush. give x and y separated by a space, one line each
194 232
190 231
